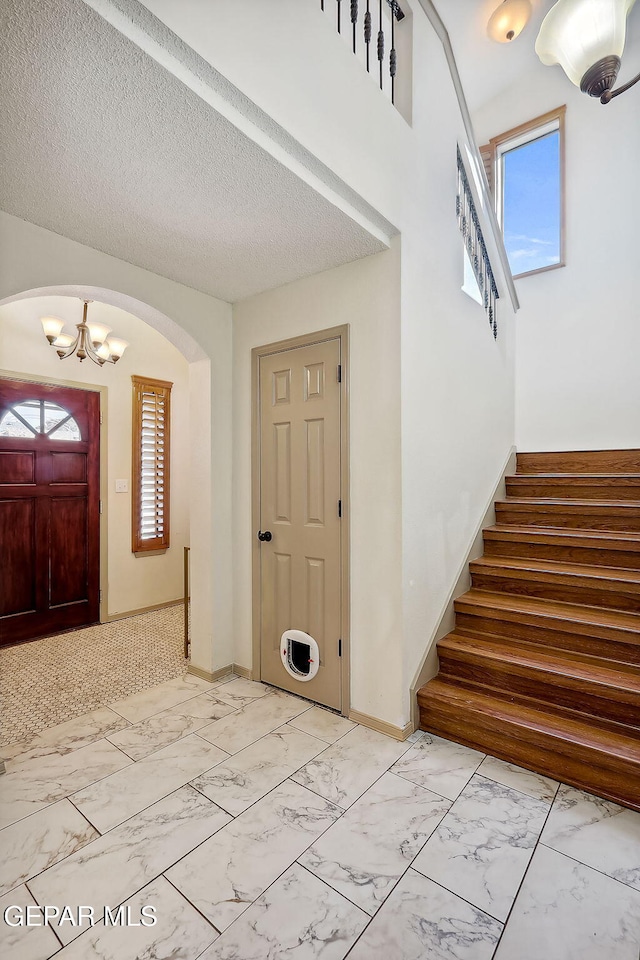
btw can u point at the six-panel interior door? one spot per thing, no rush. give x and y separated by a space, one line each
49 509
300 399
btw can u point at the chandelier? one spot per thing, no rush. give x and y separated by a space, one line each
90 340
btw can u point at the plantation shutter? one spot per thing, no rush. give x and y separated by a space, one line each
488 154
150 488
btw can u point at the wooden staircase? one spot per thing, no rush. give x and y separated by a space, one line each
543 667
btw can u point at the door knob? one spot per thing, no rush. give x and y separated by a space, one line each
266 536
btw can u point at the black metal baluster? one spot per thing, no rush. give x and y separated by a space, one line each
392 52
367 32
354 20
469 223
339 16
380 41
322 4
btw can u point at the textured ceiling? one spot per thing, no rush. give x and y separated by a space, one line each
102 145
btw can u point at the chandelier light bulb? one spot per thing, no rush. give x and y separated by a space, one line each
586 37
63 340
98 332
509 20
117 347
52 327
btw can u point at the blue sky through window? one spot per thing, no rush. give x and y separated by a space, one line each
531 197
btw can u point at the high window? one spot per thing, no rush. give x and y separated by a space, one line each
525 168
150 464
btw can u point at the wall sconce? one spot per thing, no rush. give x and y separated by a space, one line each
509 20
586 37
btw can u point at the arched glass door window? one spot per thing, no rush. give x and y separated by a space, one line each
29 418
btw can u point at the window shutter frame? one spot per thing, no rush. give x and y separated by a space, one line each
488 154
151 471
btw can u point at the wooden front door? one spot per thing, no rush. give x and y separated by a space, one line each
300 476
49 509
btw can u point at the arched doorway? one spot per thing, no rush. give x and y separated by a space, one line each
195 451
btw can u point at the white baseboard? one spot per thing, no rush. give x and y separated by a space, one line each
221 672
207 675
398 733
242 671
110 617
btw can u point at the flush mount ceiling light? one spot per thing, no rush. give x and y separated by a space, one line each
90 340
509 20
586 37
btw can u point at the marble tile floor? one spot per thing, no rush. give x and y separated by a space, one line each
260 827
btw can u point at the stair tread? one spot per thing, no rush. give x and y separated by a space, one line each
558 568
569 502
577 666
562 728
557 609
617 477
630 541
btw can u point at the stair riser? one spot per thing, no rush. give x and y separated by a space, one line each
553 489
582 461
536 752
624 650
534 550
508 681
564 593
555 515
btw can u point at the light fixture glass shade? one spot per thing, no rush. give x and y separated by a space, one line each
579 33
52 326
103 350
98 332
117 347
63 340
509 20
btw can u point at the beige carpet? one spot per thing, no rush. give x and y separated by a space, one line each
54 679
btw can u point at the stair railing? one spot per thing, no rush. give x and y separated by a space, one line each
186 600
358 19
479 174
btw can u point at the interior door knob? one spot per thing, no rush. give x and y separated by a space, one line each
266 536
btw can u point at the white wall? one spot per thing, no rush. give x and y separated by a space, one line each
455 384
286 56
457 381
200 326
578 336
365 295
131 582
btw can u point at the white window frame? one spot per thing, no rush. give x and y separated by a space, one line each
529 132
